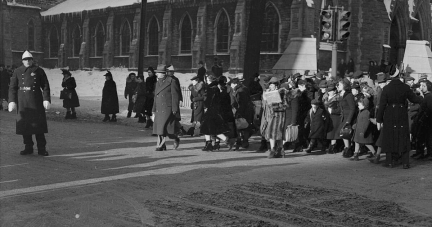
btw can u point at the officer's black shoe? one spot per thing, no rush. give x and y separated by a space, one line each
26 152
113 118
107 118
73 116
43 153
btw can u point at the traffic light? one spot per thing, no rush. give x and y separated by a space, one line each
344 23
327 25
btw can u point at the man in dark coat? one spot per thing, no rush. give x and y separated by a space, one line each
150 90
392 116
4 87
201 71
165 108
243 106
304 106
29 88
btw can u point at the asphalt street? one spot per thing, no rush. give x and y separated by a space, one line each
109 174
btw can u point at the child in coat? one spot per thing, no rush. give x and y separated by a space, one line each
317 119
361 132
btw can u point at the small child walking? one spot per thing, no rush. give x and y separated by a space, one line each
317 119
361 134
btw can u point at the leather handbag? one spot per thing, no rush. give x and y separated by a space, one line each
291 133
241 123
346 132
65 94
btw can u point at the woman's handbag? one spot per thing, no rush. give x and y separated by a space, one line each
65 94
291 133
241 123
346 132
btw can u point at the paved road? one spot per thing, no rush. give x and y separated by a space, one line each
108 174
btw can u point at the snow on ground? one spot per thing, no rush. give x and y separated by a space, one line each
90 83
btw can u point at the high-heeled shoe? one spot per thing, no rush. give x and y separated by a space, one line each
375 159
161 148
208 146
176 143
272 153
356 157
216 145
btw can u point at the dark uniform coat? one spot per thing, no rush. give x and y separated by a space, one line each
197 101
140 98
318 123
392 112
110 102
70 85
166 102
29 87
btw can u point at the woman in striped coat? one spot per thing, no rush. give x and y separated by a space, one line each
273 121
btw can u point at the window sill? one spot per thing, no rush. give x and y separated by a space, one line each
121 56
269 53
182 55
51 58
95 57
152 55
224 53
73 57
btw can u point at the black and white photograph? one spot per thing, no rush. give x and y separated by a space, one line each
215 113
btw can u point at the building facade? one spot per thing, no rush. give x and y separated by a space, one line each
184 32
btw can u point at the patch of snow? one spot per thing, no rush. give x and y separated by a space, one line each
22 5
387 4
74 6
411 5
310 3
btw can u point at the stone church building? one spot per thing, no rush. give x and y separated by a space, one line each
86 34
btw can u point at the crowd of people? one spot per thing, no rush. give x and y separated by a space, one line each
381 110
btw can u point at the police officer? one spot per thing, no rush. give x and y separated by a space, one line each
29 87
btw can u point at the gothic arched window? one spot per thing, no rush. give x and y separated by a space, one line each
125 39
76 41
30 35
99 40
186 36
222 36
270 33
153 37
53 43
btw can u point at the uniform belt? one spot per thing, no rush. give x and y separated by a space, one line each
25 88
396 105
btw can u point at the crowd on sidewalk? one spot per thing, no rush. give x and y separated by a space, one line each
378 111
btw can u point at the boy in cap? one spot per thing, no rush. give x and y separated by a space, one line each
317 120
29 93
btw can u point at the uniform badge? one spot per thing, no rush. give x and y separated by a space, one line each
32 74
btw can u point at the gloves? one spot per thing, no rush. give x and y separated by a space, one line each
11 106
47 105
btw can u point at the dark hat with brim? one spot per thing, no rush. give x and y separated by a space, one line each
108 74
65 72
415 86
355 86
234 80
301 82
323 84
408 78
320 75
161 69
331 88
315 102
351 74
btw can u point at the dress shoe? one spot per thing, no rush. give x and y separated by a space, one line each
208 146
43 153
280 153
106 118
355 157
161 148
68 115
375 159
149 123
263 147
406 166
272 153
176 143
26 152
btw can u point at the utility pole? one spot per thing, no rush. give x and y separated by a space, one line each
141 38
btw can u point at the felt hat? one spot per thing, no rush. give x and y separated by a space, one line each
301 82
161 69
415 86
66 72
323 84
211 78
27 55
331 88
315 102
392 70
108 74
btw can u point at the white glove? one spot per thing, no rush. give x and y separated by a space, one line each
11 106
379 126
47 105
152 117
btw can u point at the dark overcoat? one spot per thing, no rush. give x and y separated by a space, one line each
213 123
140 98
348 108
4 84
29 87
166 102
392 112
292 109
110 102
362 131
334 122
242 103
197 98
70 85
150 90
318 123
413 110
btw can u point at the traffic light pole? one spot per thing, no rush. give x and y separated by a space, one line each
334 60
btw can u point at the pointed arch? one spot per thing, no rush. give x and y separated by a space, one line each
53 42
30 35
153 36
125 37
186 34
222 30
271 29
76 40
99 39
